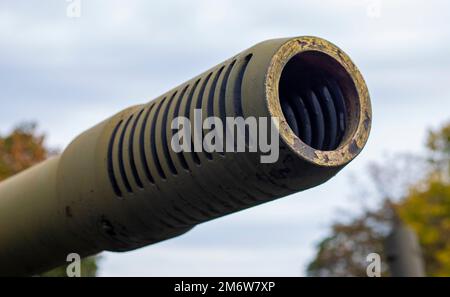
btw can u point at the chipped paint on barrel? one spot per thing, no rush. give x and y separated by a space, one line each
353 143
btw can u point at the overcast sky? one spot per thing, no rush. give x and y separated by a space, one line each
70 73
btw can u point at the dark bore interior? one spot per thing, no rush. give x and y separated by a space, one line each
317 97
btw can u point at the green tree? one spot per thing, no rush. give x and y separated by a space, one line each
21 149
89 268
425 206
344 252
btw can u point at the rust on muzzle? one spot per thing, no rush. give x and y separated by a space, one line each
120 186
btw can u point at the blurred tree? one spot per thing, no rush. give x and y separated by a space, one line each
344 252
425 207
88 269
23 148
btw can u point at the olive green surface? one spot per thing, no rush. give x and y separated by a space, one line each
119 186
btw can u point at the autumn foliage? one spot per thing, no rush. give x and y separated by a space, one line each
425 206
21 149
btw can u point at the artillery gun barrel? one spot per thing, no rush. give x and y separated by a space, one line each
120 185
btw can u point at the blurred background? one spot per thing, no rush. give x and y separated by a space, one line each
67 65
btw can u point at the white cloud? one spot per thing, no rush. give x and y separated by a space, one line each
121 53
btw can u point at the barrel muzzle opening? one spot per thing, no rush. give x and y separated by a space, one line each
321 101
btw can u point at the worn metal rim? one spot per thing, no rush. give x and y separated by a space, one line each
360 123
